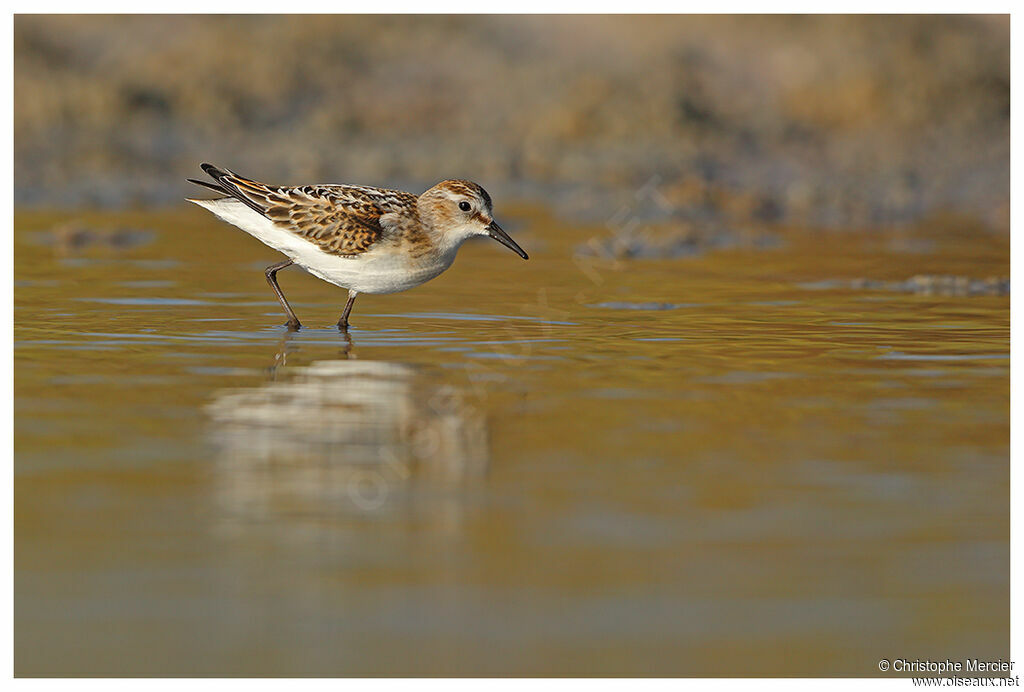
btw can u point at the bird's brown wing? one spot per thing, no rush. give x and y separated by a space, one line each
344 220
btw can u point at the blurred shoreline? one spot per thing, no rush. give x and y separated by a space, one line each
708 122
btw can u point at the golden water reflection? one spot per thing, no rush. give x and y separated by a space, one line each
339 436
744 463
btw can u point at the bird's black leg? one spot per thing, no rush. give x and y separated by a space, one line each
293 321
343 322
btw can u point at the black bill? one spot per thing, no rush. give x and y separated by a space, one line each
495 231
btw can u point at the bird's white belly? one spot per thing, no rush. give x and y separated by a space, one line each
373 271
379 270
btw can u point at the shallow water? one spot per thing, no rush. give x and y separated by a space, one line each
729 464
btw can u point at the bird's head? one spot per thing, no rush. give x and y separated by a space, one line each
460 209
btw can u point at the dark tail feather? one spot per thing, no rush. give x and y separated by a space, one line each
213 171
227 186
215 188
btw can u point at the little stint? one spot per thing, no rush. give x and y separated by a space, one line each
365 239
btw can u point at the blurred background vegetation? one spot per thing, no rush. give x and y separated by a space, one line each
816 121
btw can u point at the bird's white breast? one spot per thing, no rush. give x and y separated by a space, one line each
384 269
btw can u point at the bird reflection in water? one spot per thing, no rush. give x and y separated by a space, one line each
344 436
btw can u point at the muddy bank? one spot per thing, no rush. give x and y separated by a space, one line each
727 121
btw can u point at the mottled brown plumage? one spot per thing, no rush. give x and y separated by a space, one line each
340 219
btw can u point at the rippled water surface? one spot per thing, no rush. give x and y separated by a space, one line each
729 464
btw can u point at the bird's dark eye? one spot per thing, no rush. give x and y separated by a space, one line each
464 206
